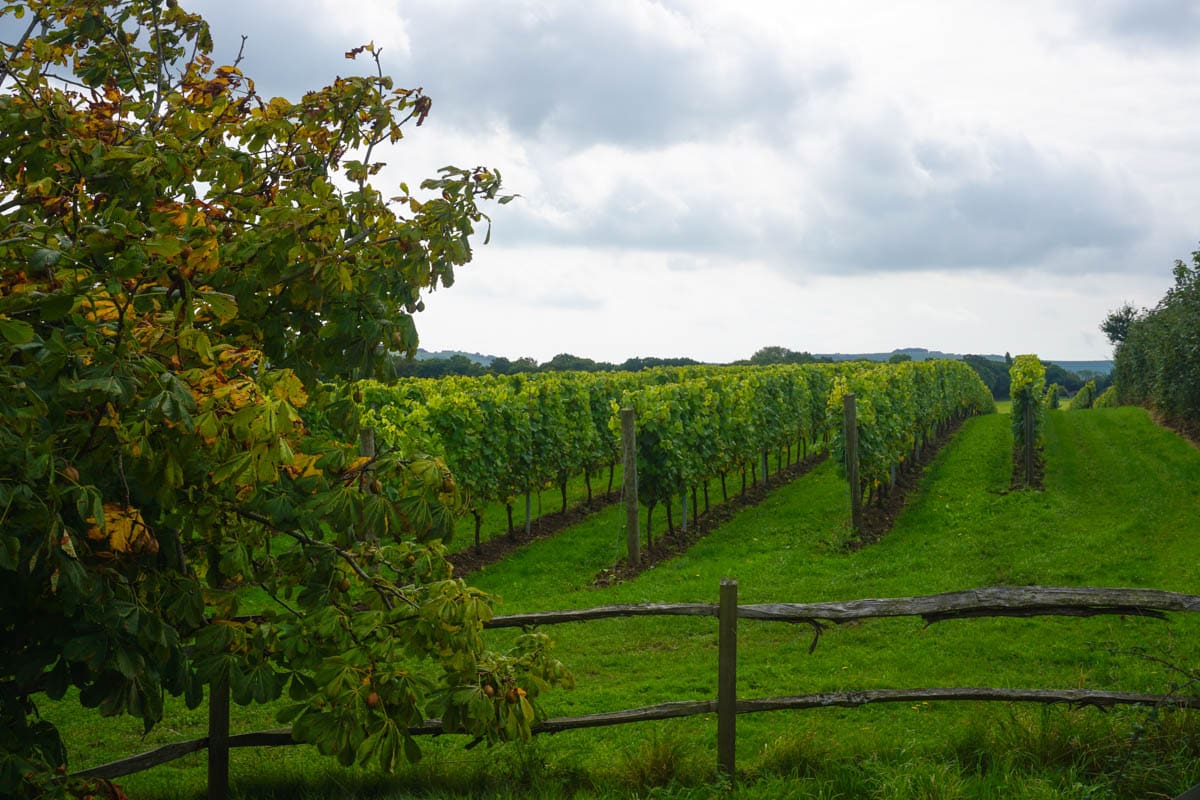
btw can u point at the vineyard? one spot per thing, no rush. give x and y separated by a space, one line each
218 519
962 529
504 437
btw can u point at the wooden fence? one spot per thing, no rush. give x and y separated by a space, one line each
1025 601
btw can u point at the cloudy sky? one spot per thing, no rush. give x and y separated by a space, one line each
704 178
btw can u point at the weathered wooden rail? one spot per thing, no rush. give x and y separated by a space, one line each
1024 601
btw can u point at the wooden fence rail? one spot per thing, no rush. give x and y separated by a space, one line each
1024 601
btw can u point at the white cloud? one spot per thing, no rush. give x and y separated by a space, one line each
705 177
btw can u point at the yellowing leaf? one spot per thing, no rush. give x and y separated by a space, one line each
125 529
304 465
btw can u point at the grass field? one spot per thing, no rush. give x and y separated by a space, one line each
1120 508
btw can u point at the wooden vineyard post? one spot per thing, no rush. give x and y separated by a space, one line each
851 434
1028 454
218 739
366 442
629 444
727 678
528 498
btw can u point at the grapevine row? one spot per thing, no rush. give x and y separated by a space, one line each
1029 401
724 421
504 436
900 408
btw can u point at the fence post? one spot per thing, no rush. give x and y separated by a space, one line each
528 491
727 678
850 420
218 739
630 482
366 442
1028 423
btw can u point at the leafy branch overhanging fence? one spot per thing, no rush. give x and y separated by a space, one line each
1026 601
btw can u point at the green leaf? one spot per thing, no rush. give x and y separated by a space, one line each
223 306
164 246
57 307
15 331
10 551
231 469
40 261
412 750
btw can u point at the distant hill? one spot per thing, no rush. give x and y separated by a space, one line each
921 354
1081 367
478 358
917 354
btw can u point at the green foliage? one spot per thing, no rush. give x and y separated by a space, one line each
1107 398
1063 377
1116 325
1028 386
1157 364
502 436
899 408
1085 397
184 262
994 374
1053 392
775 354
721 419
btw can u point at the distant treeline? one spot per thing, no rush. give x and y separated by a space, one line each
994 373
565 362
1157 360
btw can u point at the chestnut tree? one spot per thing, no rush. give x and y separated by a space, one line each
192 275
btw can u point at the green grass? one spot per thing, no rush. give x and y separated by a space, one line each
548 500
1120 508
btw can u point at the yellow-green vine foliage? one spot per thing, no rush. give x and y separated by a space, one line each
1085 397
1028 390
1107 398
900 408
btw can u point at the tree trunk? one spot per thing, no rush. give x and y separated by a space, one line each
724 491
478 525
706 495
611 469
695 506
512 533
670 519
587 481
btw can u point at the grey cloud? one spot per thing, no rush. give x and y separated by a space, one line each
1000 204
285 52
584 72
884 202
572 72
1142 23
